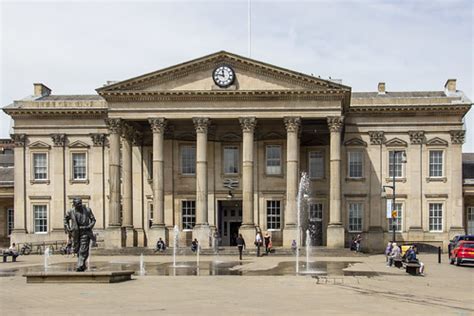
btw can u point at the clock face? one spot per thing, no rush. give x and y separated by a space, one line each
223 76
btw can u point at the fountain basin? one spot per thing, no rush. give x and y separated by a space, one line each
79 277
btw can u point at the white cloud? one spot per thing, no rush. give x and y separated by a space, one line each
75 47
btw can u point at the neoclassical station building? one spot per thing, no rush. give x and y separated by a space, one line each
220 143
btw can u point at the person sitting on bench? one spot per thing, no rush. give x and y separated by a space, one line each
411 258
160 245
395 254
12 250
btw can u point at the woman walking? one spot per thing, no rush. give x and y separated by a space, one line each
241 245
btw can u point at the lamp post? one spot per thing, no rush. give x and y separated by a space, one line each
393 187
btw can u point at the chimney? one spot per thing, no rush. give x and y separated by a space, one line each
41 90
450 86
381 87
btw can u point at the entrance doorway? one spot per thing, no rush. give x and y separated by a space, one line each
229 218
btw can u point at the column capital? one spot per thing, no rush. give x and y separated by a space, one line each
99 140
417 137
376 137
114 125
137 138
248 124
19 140
292 123
457 137
201 124
158 124
335 123
59 140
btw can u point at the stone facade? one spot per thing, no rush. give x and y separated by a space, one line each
173 148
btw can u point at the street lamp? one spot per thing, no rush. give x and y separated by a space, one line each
403 159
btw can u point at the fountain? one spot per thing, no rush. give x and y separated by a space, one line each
175 243
308 249
142 265
47 254
302 196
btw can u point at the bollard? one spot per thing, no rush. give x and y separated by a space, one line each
439 254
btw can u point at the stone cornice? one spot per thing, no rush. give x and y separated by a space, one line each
45 112
434 109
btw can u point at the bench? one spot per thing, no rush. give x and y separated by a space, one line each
7 254
412 268
398 263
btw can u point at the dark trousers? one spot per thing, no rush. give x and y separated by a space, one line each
258 250
240 251
83 251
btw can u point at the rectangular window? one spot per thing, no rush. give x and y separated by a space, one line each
436 163
273 157
355 217
396 167
79 171
40 217
355 164
10 221
231 159
316 164
470 220
316 212
40 166
273 215
188 209
397 220
188 160
436 217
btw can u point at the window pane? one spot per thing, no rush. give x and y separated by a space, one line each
355 217
273 153
316 212
398 164
355 164
273 215
316 164
79 166
436 163
231 159
188 209
436 217
188 160
40 168
40 218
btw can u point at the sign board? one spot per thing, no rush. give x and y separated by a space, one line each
389 208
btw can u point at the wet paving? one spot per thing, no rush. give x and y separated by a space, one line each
205 268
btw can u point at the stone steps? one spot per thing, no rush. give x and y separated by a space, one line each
225 251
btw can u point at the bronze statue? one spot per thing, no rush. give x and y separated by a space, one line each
78 224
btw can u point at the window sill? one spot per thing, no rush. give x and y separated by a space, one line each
390 180
349 179
40 182
274 175
274 230
40 233
437 179
85 181
355 231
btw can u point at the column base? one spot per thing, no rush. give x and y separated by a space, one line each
373 241
140 237
130 236
202 232
289 234
154 233
248 233
335 236
113 237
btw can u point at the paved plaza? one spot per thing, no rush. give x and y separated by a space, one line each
371 289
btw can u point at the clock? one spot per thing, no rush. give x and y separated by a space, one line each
223 76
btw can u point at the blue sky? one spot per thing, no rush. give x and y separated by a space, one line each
74 47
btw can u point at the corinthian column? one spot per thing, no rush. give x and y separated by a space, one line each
292 125
201 230
335 233
127 223
248 227
113 237
59 182
19 215
158 228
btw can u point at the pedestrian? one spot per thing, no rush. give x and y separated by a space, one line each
267 240
160 245
358 240
194 245
258 242
216 241
240 245
293 245
388 250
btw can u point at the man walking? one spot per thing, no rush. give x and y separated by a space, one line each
240 245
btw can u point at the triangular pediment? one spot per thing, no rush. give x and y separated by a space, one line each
396 142
437 142
78 144
39 144
196 75
355 142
